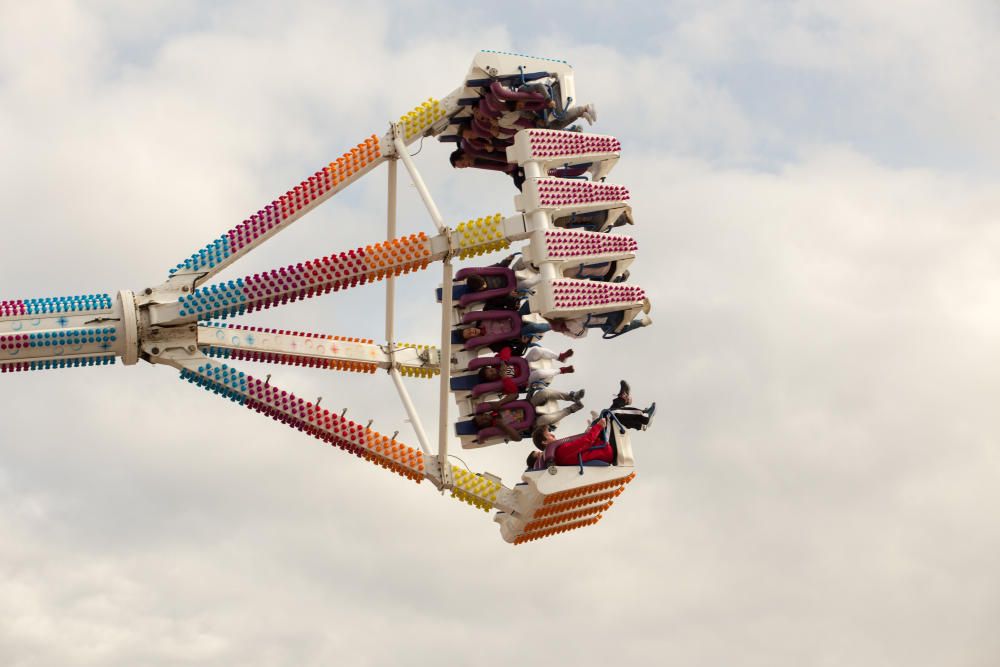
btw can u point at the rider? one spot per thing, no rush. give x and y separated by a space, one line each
589 446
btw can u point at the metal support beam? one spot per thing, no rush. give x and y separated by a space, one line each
411 411
390 282
539 222
418 181
446 481
533 169
445 366
390 313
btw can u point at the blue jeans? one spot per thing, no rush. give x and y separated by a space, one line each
534 328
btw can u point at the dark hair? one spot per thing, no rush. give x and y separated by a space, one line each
532 457
476 283
538 437
455 154
482 374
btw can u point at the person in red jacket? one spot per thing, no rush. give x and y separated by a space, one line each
590 446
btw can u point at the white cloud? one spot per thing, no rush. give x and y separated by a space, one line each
917 69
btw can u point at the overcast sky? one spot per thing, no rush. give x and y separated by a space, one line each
815 190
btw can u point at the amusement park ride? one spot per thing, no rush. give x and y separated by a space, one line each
565 218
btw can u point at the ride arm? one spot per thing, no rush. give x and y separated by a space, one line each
335 272
281 212
323 424
429 117
484 491
67 332
227 341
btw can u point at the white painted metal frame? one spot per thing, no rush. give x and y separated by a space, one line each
390 311
309 348
445 479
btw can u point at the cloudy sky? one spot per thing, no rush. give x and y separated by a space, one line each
815 187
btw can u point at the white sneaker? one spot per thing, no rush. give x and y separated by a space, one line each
590 114
646 320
